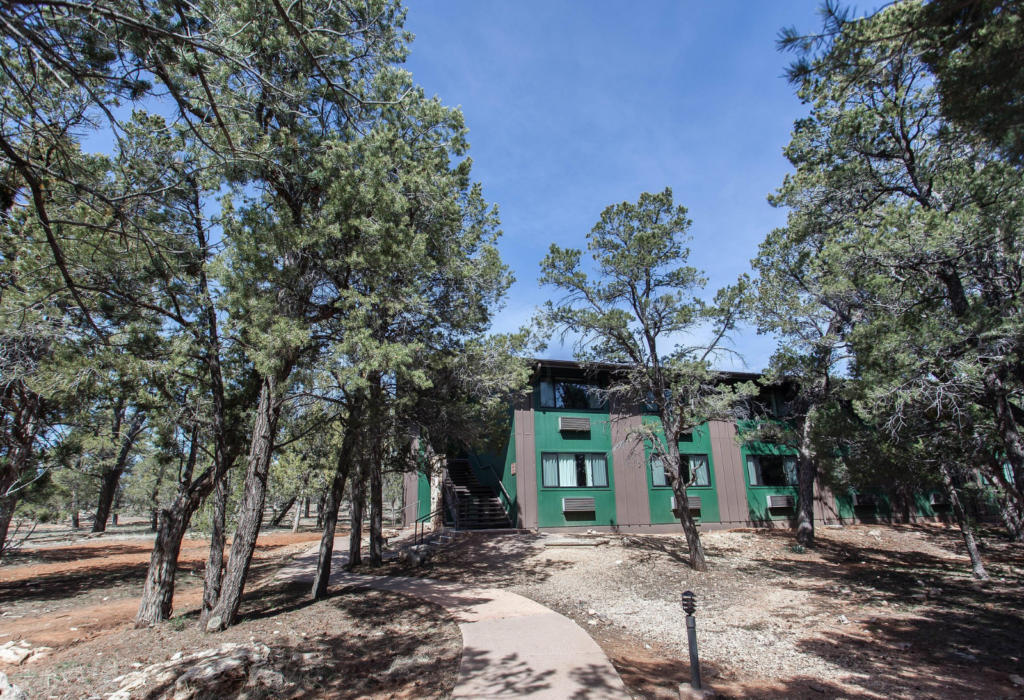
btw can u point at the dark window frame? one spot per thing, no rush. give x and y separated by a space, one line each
576 455
687 456
591 398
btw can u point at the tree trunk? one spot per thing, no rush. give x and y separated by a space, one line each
250 512
306 504
298 515
279 518
215 560
7 505
320 505
154 520
112 478
807 474
437 474
158 592
376 515
1013 518
965 528
696 547
329 514
355 536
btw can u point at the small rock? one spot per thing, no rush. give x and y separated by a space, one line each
874 533
591 612
270 679
647 646
843 620
903 646
592 622
934 592
1016 680
213 624
9 691
14 655
176 656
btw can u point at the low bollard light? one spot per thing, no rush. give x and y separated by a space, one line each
690 607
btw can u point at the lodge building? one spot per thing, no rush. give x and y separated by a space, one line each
568 465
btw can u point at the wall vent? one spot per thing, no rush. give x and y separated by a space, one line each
775 501
694 502
578 505
574 425
865 499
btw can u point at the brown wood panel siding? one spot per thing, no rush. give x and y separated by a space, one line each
410 482
526 463
729 472
632 502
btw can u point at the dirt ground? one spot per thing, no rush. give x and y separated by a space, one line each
872 612
80 598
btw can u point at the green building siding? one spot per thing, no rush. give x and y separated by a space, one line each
757 496
550 439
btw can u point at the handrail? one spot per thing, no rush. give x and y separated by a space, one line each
508 499
453 505
500 485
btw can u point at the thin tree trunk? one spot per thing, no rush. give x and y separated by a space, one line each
696 547
355 536
965 528
215 560
329 513
306 503
7 505
437 474
320 505
1013 518
112 478
298 515
158 591
279 518
250 512
376 515
807 474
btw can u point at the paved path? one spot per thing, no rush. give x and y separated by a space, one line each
512 647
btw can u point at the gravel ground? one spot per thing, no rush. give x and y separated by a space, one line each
859 616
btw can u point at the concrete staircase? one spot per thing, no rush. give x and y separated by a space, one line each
480 507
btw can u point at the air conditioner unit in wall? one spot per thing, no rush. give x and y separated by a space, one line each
694 502
578 505
574 425
776 501
862 500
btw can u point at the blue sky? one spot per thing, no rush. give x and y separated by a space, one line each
573 106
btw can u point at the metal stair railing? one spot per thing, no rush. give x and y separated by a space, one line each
508 499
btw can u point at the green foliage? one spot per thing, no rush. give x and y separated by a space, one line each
903 241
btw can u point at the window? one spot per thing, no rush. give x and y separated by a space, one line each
569 470
771 470
561 393
691 464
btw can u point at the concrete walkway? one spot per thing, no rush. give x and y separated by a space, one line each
512 647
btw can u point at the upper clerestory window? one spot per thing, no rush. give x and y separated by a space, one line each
561 393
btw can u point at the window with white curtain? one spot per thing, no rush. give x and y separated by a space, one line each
574 470
695 465
771 470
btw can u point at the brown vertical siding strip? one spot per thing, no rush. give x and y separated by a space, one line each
526 463
632 506
732 492
409 483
